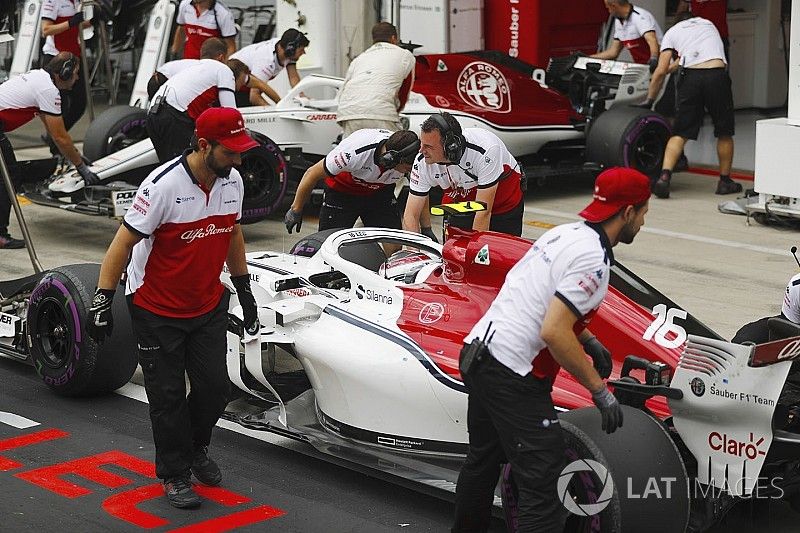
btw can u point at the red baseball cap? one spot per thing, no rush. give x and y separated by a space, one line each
226 126
614 189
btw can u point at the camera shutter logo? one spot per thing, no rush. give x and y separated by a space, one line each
600 472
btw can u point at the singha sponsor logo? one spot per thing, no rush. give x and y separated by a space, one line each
200 233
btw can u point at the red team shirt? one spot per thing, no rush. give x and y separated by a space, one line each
61 11
175 270
214 22
350 167
24 96
714 10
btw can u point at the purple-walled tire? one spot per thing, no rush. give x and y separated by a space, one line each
265 177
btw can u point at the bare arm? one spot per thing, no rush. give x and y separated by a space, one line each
116 258
313 175
294 76
54 124
484 218
258 86
411 215
50 27
652 42
612 52
230 42
237 264
177 41
657 80
425 215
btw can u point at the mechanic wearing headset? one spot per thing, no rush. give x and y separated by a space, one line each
377 84
22 98
703 84
360 174
636 29
266 60
714 10
469 165
177 103
182 329
199 20
536 325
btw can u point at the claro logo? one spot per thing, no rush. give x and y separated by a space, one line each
199 233
728 445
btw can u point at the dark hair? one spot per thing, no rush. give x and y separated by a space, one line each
400 140
685 15
55 66
431 124
293 35
213 47
194 143
238 67
382 32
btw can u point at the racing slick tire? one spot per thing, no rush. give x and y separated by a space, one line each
116 128
632 480
265 178
70 362
626 136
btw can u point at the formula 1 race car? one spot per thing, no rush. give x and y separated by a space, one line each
358 357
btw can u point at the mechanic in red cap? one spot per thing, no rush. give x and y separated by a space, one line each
536 325
182 228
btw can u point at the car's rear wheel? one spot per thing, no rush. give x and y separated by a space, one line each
70 362
265 178
626 136
116 128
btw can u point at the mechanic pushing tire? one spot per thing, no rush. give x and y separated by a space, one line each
69 362
115 129
607 477
626 136
265 178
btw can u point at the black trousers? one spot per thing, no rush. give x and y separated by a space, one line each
341 210
510 418
170 130
168 347
509 222
73 101
5 201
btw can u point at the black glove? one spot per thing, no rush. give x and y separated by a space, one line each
652 63
89 177
248 302
428 232
600 355
99 319
609 409
293 219
647 104
76 19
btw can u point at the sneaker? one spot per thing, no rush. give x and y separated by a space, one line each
728 187
205 469
661 188
180 493
7 242
682 164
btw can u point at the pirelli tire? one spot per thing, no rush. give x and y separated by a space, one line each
265 178
116 128
605 477
68 361
627 136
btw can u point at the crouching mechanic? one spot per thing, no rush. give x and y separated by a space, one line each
178 306
536 325
22 98
360 175
469 165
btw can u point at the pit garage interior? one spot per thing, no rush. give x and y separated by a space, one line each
727 270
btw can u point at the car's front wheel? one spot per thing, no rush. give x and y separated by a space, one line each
265 178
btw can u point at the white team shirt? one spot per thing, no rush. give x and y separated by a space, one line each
171 68
174 271
486 161
24 96
199 87
215 22
696 41
351 166
570 262
262 59
61 11
791 301
630 32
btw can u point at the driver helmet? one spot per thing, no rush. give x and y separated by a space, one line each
404 264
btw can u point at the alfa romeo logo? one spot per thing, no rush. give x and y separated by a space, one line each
698 387
483 85
601 473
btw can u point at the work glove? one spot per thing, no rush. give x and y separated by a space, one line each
293 219
89 177
647 104
428 232
600 356
99 318
76 19
652 63
248 302
610 409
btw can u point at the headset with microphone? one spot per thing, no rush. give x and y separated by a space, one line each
66 70
290 49
392 158
452 142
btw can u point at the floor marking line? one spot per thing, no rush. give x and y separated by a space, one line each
17 421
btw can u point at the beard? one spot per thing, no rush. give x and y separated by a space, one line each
627 233
222 171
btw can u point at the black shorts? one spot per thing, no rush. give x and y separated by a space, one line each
702 90
341 210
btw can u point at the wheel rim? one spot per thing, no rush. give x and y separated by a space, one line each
53 333
647 151
583 488
129 134
260 179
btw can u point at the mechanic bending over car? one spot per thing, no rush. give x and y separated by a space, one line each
377 84
179 309
758 331
266 60
22 98
536 325
199 20
177 103
636 29
472 164
703 84
360 174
